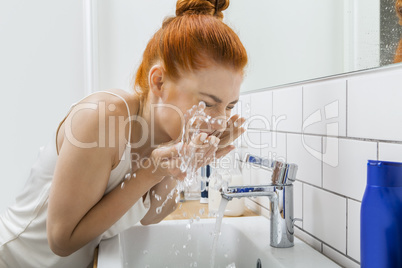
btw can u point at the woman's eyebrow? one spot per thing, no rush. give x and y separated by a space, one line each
216 99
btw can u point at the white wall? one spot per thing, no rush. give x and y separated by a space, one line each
288 41
41 74
124 29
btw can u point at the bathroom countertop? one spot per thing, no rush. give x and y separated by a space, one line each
193 208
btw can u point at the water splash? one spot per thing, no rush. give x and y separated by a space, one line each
194 119
127 177
202 211
168 197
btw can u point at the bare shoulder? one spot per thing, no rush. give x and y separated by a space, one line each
115 102
100 121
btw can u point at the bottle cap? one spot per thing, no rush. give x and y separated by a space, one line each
384 173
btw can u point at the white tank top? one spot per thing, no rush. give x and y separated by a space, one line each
23 238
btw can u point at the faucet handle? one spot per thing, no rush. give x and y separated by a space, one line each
263 162
283 173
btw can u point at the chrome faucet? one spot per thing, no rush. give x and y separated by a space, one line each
279 192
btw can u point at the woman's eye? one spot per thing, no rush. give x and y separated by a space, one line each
230 108
208 105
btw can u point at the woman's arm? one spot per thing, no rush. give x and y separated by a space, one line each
164 193
78 209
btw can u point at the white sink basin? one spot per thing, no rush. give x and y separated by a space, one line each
243 240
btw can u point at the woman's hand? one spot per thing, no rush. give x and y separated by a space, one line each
230 134
174 160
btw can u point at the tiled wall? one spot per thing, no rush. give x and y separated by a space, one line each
330 128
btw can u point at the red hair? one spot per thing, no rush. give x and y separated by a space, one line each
193 39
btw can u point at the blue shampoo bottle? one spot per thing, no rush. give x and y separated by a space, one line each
381 216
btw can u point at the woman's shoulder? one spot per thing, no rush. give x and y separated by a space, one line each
113 102
97 120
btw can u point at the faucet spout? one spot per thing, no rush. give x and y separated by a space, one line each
280 194
281 207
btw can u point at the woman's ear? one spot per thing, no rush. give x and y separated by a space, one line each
156 79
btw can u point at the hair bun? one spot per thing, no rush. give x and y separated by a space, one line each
201 7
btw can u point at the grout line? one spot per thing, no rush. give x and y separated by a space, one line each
258 204
302 223
329 191
347 106
326 244
286 144
343 254
347 216
378 150
322 162
272 111
302 110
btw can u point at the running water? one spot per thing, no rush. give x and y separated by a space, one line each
194 118
217 230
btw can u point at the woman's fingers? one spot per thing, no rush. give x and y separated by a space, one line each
232 119
233 131
214 141
227 140
199 140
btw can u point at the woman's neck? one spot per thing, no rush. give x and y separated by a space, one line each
147 133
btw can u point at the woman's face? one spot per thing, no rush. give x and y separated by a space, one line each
217 86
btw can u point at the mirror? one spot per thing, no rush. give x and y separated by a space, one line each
297 40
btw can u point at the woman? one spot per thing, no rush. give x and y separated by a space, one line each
114 149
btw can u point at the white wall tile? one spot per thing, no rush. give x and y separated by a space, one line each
307 156
298 202
339 258
257 208
246 173
251 142
324 107
273 145
374 106
353 246
261 110
373 112
287 109
243 109
260 176
324 216
345 165
314 243
243 105
390 152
